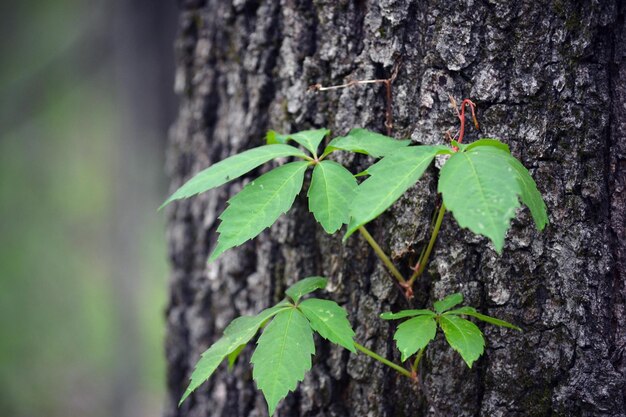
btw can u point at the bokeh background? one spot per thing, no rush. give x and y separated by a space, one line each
86 101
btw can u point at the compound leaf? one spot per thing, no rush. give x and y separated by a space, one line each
406 313
471 311
415 334
530 195
330 321
389 179
282 356
366 142
480 188
305 286
231 168
464 337
236 335
258 205
448 302
332 189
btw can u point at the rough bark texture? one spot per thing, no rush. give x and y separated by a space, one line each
549 78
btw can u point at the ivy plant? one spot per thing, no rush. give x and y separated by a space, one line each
414 335
481 184
261 202
284 349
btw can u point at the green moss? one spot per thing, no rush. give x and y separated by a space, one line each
572 23
538 403
559 8
284 106
197 20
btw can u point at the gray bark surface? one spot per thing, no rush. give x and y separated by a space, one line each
549 79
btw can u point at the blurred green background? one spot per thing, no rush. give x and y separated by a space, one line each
86 101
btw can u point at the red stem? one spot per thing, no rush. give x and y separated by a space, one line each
472 106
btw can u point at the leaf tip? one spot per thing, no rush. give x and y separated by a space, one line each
166 202
215 254
349 233
498 244
271 408
184 397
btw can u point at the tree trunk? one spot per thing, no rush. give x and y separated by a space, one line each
549 79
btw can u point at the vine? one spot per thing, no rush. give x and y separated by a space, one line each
481 184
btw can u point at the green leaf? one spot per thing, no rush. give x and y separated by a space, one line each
367 142
406 313
480 188
389 179
310 139
208 363
274 137
488 142
470 311
415 334
332 189
259 205
305 286
237 334
530 195
232 356
456 144
282 356
448 302
464 337
243 328
330 321
231 168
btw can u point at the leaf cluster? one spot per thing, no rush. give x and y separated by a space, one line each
261 202
481 184
465 337
284 349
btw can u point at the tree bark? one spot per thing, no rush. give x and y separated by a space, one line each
549 79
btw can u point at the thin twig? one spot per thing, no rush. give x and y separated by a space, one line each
388 93
389 111
320 87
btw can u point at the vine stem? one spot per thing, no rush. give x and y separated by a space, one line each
379 358
461 115
423 261
417 360
383 257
